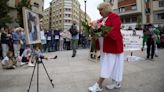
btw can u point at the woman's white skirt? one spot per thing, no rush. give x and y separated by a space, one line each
112 66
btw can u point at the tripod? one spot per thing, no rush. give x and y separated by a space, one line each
38 61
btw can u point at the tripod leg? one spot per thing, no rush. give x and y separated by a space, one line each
28 90
47 74
37 76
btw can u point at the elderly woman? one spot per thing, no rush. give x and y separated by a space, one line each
111 48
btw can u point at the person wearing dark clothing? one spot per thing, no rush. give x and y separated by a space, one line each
4 42
57 37
49 41
23 39
0 46
162 36
149 38
0 50
75 37
53 41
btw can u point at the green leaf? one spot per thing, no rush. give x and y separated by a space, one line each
4 10
98 32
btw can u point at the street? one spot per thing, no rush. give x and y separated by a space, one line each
77 74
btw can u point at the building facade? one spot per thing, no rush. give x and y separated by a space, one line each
62 13
37 6
82 18
158 11
45 19
140 11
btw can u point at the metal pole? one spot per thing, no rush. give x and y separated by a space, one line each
85 9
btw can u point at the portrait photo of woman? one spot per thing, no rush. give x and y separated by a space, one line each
31 25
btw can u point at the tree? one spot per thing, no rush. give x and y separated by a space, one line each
4 10
19 6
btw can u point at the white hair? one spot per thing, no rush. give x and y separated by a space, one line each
105 6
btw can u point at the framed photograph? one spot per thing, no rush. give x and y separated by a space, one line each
31 26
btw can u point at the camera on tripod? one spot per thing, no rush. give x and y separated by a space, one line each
39 58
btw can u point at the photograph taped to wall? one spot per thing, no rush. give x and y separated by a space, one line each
31 26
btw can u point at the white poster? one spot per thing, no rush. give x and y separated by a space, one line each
131 41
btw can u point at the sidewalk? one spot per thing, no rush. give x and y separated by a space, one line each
77 74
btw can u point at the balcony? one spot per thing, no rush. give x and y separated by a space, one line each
159 17
128 10
126 2
158 5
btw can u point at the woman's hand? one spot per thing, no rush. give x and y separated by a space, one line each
94 36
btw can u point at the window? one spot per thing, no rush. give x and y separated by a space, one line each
69 21
134 7
65 20
146 1
67 15
134 19
122 9
127 20
36 4
160 16
161 3
147 11
67 9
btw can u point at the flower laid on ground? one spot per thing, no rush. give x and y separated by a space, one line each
95 28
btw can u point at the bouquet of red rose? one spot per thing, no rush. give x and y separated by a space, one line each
95 28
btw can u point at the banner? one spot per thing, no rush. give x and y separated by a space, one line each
132 39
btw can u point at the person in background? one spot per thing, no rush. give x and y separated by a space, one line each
39 55
27 56
162 36
149 38
10 43
49 40
53 42
75 37
43 40
7 62
0 44
46 35
57 38
157 40
93 48
111 50
22 40
16 41
61 43
67 37
4 41
134 32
